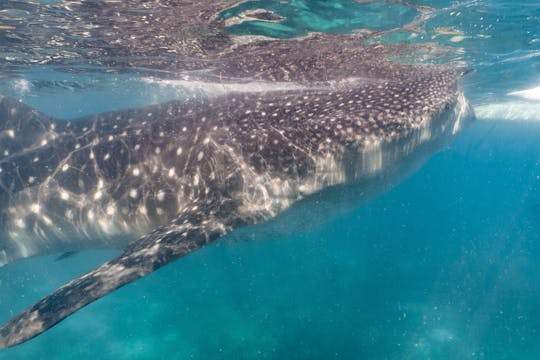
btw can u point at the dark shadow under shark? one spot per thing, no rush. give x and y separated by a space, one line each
334 124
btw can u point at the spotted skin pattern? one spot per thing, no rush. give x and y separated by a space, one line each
165 180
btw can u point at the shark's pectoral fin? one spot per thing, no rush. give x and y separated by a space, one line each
184 235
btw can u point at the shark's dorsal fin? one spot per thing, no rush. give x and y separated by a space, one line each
21 127
182 236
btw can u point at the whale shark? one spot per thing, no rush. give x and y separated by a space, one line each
334 124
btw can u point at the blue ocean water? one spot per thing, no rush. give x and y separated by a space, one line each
443 266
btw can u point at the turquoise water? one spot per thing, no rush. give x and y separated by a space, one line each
443 266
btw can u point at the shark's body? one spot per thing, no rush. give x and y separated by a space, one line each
165 180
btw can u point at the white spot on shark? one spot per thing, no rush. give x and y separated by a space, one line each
111 209
64 195
20 223
160 195
35 208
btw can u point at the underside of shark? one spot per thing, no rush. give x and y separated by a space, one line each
163 181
